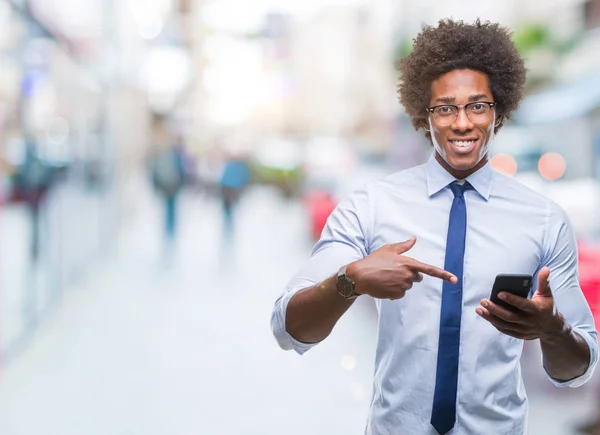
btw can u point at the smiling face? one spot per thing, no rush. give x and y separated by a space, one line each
461 147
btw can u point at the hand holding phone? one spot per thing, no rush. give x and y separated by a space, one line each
519 285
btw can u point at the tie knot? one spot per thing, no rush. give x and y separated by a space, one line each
459 189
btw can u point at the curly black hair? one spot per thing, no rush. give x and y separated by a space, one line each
485 47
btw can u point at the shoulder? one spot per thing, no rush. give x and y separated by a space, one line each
395 179
504 186
366 195
405 177
507 187
410 175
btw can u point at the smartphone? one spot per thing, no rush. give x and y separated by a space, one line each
519 285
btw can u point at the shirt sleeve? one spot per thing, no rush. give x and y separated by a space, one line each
342 241
561 257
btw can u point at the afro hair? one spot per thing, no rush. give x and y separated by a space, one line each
485 47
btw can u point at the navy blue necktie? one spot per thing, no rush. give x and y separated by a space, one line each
443 414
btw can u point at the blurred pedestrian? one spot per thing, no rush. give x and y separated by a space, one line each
168 172
447 357
234 179
31 183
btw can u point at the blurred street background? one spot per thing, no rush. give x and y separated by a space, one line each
167 165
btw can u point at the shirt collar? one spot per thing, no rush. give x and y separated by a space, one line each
438 178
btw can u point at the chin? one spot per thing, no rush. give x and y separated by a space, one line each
463 164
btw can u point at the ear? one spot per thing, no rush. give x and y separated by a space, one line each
499 121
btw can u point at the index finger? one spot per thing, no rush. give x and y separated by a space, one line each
523 304
430 270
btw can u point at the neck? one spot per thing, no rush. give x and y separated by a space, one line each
460 174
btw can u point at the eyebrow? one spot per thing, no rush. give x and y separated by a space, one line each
450 100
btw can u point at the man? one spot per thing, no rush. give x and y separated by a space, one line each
167 168
427 244
234 179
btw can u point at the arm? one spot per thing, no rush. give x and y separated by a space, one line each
313 312
561 318
570 351
566 355
385 274
309 309
311 294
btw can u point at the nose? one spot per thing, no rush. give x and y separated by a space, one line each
462 122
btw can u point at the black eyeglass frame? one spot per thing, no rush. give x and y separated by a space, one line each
458 107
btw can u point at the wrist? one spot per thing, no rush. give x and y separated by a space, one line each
557 329
353 274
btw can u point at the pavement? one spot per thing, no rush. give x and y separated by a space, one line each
146 344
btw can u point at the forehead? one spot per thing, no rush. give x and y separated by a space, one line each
459 85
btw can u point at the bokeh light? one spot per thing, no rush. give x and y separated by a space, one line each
359 392
552 166
57 130
348 362
505 163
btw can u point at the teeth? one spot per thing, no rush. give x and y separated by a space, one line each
463 143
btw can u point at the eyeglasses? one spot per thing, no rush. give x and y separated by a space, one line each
478 112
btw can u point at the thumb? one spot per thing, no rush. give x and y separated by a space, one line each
543 282
402 247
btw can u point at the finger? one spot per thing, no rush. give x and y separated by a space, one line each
405 286
523 304
497 322
514 334
427 269
417 277
544 282
403 247
504 314
397 296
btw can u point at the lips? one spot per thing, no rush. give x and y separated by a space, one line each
463 146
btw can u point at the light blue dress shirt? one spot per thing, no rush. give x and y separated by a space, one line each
510 229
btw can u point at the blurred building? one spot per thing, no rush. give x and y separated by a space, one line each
344 78
77 88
